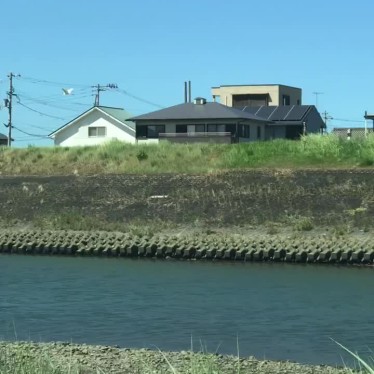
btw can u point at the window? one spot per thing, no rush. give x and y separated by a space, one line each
216 128
181 129
231 129
258 132
241 101
195 128
286 100
141 131
244 131
95 132
153 131
199 128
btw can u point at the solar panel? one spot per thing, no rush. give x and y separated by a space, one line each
297 113
280 113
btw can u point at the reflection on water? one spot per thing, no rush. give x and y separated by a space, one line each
277 311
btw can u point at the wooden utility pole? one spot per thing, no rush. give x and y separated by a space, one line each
100 88
9 105
326 118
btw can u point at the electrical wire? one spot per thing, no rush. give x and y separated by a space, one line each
46 103
27 133
347 120
84 86
46 82
41 113
140 99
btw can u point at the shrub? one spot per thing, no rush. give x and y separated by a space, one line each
142 155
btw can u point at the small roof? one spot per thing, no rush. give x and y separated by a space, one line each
3 137
191 111
255 85
117 114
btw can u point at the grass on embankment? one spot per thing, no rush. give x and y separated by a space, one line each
67 358
116 157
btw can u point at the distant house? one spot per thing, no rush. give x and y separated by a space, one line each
289 121
204 121
3 139
200 121
97 125
240 96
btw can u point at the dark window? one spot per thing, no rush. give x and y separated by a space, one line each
258 132
244 131
241 101
294 132
181 129
231 129
286 100
298 102
153 131
141 131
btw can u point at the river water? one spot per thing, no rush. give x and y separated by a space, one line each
274 311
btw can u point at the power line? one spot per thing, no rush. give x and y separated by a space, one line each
41 113
46 103
140 99
348 120
27 133
46 82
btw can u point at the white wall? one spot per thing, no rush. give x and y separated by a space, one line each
77 133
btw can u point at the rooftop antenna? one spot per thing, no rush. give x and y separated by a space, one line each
317 94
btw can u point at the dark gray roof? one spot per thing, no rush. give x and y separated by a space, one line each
287 113
191 111
3 137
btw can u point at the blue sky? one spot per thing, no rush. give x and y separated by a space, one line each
150 47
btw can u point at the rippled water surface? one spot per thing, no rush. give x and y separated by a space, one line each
277 311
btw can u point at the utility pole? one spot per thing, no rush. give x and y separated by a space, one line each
99 88
326 117
8 104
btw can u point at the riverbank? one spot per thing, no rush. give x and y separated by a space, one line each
329 201
74 359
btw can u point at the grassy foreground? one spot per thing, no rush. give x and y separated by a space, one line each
313 151
66 358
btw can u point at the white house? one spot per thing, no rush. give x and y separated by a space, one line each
97 125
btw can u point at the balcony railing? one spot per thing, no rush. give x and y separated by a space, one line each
214 137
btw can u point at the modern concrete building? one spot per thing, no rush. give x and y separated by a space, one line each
240 96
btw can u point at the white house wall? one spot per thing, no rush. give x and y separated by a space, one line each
77 133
